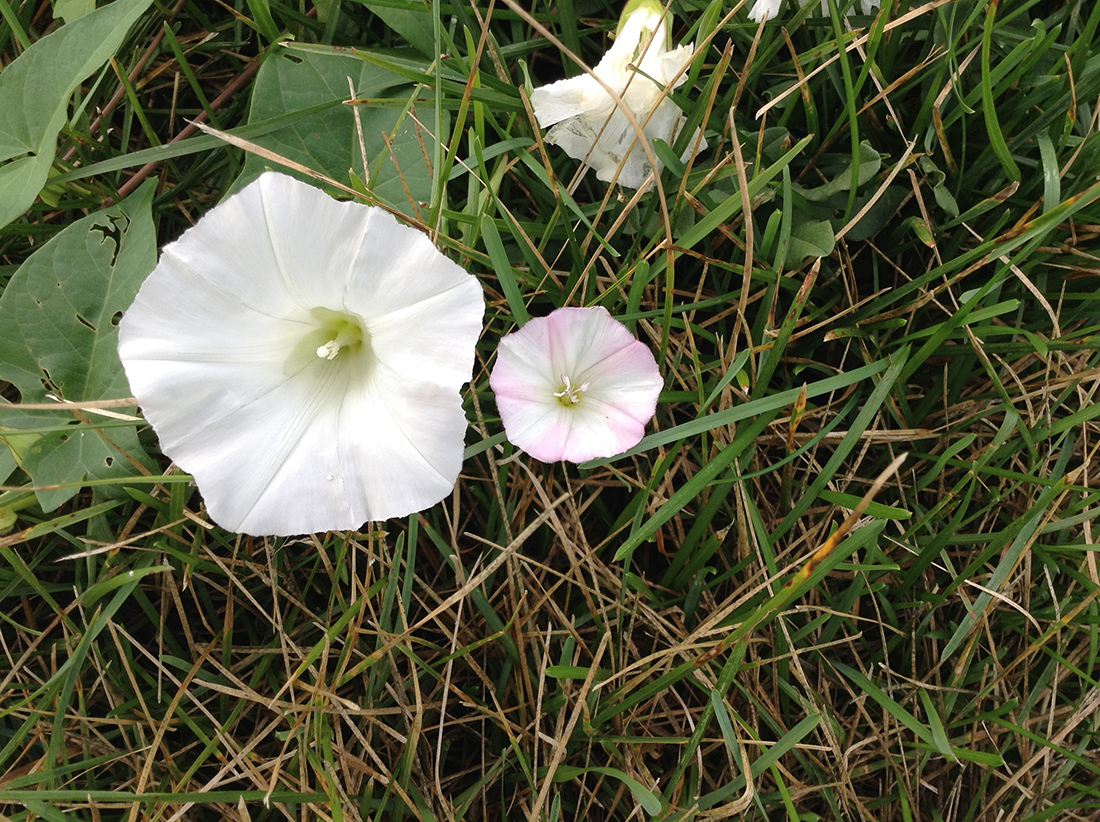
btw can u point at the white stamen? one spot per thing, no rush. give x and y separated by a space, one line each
329 350
570 391
346 334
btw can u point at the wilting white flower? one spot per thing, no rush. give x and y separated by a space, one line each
302 358
767 9
764 10
574 385
588 124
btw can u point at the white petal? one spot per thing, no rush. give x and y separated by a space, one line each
577 137
670 64
187 344
323 450
765 10
572 97
409 444
423 311
644 29
274 246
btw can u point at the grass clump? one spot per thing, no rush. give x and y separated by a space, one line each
890 247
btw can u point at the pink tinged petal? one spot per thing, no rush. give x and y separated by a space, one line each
524 367
540 428
628 381
580 338
220 350
616 375
600 430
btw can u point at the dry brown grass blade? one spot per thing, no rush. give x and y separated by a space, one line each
856 43
834 539
818 556
562 743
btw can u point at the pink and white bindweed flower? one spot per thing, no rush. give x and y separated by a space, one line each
574 385
587 122
302 358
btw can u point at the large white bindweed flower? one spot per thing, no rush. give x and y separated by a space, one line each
302 358
767 9
574 385
586 121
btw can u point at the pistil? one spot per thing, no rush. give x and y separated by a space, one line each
347 334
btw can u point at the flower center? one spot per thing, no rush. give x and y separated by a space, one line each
346 334
336 332
570 394
335 337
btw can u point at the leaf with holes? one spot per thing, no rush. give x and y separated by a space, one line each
58 336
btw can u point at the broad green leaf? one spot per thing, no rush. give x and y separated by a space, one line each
59 462
70 10
774 142
58 335
35 90
882 211
944 199
35 87
413 21
870 161
809 238
20 182
14 446
919 227
327 141
7 466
